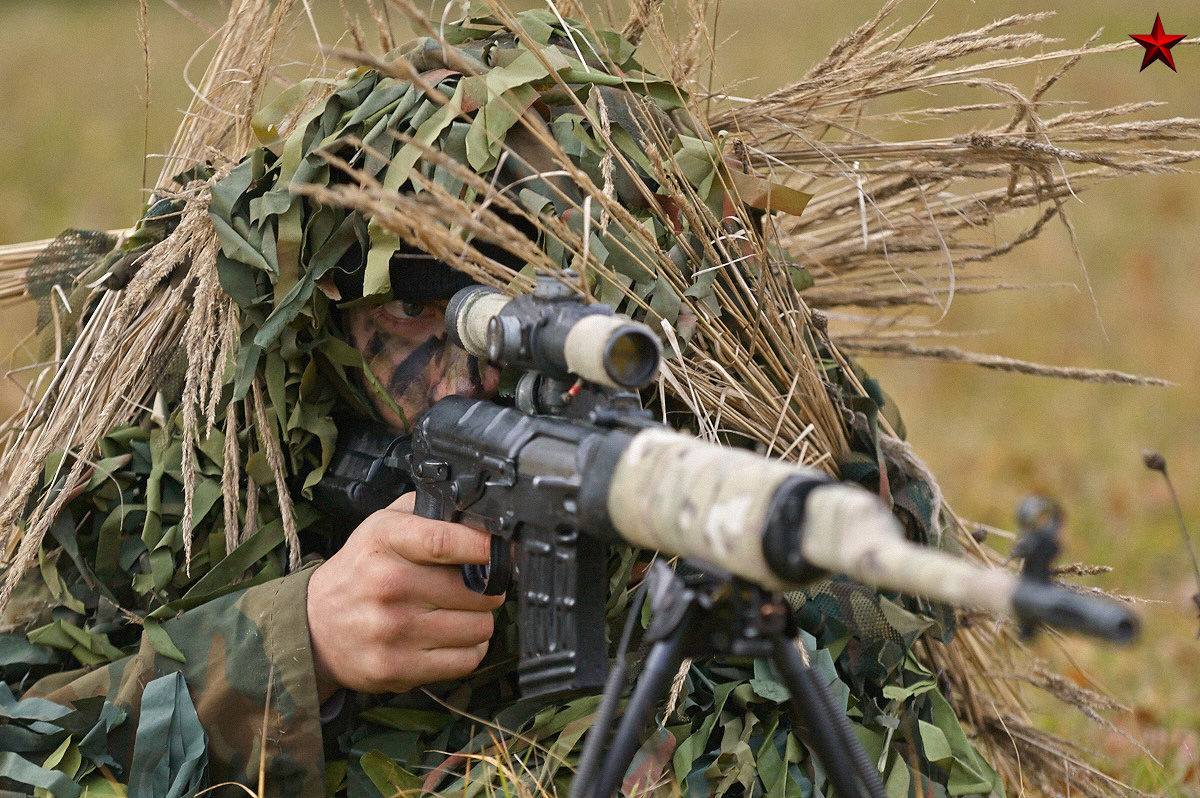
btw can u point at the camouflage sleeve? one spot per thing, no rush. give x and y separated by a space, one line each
249 673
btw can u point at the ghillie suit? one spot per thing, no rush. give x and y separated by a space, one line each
171 456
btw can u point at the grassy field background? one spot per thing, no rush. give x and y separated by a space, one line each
76 131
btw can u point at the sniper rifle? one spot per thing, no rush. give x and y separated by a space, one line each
577 466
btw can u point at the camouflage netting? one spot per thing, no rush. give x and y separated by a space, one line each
184 471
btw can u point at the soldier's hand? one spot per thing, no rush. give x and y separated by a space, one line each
390 612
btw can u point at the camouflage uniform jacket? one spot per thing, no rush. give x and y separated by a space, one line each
250 684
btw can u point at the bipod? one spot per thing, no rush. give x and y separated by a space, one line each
708 613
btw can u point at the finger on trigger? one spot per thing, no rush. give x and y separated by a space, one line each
429 542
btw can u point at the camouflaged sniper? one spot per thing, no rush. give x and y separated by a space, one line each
227 621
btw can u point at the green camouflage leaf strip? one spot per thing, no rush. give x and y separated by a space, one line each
89 649
22 771
899 693
56 585
222 578
389 777
426 134
37 725
899 780
766 684
66 759
405 719
267 121
779 774
969 773
170 748
16 650
507 94
766 195
691 749
385 97
96 785
286 310
89 724
21 740
29 710
161 641
562 750
647 770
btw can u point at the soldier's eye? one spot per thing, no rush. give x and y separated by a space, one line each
404 309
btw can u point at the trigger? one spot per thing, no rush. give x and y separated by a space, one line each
494 578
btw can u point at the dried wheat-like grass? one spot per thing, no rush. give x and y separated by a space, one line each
210 339
949 354
900 223
105 380
217 124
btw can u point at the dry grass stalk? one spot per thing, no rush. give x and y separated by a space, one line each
218 121
106 380
898 223
641 14
950 354
209 339
270 444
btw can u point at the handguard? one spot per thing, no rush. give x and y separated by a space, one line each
780 526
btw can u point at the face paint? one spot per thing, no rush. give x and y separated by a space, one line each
404 344
476 377
413 366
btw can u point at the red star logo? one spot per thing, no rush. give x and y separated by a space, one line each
1158 45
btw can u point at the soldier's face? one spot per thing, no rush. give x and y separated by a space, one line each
405 347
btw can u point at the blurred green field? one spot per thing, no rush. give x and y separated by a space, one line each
76 129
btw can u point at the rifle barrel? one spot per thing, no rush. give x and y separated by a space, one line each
731 508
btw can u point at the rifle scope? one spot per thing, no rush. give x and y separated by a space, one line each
551 332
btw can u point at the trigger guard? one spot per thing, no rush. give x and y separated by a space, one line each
494 578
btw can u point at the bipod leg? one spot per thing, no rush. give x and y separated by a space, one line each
677 608
658 671
846 762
